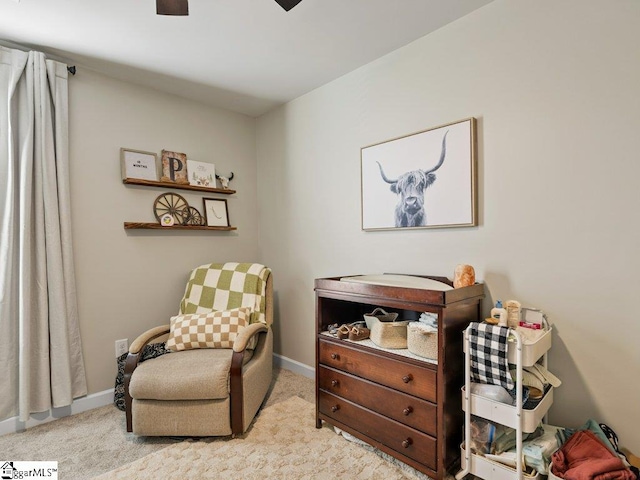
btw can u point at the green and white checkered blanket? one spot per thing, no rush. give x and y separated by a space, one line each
223 286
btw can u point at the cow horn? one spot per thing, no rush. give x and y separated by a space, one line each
444 151
231 177
384 177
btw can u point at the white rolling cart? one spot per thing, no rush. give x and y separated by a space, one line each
513 416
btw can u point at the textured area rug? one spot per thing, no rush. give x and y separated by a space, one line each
282 444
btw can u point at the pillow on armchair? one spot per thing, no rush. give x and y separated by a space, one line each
207 330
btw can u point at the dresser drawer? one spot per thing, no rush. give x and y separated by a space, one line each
411 379
399 406
405 440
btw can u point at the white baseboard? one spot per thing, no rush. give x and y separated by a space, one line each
95 400
100 399
296 367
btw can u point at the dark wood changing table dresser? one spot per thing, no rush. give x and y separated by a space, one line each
402 404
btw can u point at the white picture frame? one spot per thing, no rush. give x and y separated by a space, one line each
138 164
400 187
201 174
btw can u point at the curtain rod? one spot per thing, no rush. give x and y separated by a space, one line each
71 68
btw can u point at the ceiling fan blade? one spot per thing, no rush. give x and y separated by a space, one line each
288 4
172 7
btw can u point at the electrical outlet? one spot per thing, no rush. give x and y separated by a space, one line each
122 346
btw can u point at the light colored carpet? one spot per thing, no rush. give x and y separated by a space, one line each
94 442
282 444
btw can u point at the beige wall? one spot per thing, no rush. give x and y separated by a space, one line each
129 281
555 87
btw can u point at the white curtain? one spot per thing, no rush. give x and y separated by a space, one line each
41 364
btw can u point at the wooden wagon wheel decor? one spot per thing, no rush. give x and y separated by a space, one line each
193 217
173 204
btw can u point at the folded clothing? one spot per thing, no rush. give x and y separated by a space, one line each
430 319
585 457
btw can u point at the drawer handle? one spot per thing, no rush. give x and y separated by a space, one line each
407 378
407 443
335 408
335 383
407 411
334 356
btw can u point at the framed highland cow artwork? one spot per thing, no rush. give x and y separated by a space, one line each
421 180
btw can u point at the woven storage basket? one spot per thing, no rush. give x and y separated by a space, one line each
389 334
421 342
379 314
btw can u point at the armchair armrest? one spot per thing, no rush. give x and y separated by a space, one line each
138 344
241 341
236 388
131 363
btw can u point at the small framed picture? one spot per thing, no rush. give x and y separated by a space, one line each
201 174
215 212
138 164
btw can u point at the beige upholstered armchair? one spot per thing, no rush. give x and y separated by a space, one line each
197 390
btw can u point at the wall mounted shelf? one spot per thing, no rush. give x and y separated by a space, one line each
157 226
179 186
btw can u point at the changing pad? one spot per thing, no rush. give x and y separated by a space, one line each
404 281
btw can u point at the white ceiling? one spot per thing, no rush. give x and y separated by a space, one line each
243 55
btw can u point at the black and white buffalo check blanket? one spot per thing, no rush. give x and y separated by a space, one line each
488 351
